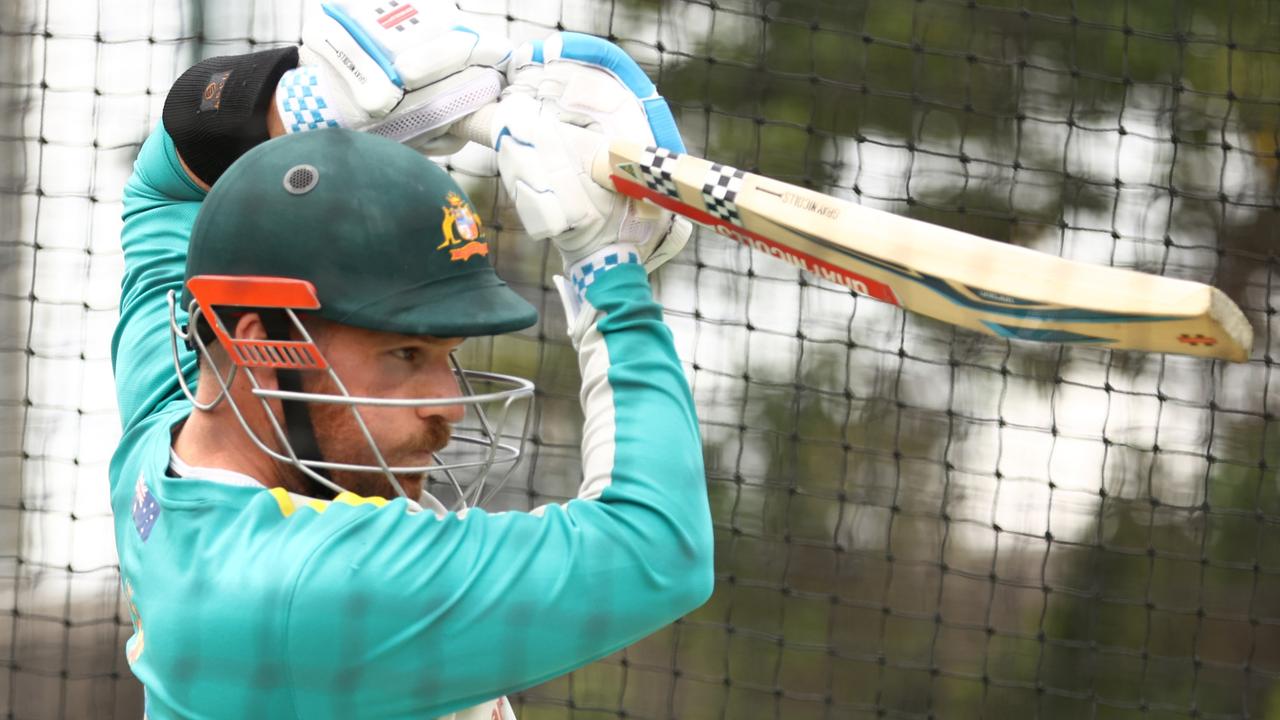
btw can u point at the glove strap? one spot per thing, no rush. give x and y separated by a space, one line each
584 273
578 312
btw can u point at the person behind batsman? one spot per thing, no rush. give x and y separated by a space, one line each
310 290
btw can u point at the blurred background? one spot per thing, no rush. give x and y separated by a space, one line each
912 521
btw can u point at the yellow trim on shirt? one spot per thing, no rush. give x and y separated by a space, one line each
287 506
283 500
347 498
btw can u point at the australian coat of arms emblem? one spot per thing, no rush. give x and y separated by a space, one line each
462 230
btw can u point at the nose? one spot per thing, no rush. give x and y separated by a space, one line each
441 382
452 413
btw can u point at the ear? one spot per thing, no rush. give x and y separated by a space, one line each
250 327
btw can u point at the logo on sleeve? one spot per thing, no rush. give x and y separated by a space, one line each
145 509
462 231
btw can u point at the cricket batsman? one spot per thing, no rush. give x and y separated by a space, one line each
297 278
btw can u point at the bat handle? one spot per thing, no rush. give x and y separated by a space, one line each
480 128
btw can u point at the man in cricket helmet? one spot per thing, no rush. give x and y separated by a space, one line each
266 510
337 272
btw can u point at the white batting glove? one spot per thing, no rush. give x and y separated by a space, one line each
405 69
567 96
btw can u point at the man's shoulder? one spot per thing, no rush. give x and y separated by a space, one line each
143 450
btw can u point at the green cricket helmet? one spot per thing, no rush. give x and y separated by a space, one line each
361 231
388 239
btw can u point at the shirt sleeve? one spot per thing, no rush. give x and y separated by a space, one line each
160 206
420 616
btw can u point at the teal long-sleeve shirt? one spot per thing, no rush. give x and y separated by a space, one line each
248 604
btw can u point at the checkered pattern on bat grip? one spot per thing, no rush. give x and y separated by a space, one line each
658 167
720 192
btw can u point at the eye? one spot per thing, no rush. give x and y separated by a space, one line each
407 354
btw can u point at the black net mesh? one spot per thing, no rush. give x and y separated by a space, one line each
912 520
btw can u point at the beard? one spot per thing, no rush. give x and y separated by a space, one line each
340 440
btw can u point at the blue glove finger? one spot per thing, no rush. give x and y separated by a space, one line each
591 50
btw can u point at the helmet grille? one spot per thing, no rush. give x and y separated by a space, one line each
301 179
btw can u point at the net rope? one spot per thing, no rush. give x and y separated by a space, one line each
912 521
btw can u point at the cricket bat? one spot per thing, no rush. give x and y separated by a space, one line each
952 276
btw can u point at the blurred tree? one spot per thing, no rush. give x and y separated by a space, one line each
1001 110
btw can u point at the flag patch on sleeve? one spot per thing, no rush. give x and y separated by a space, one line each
145 509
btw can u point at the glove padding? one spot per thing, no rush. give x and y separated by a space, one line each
406 69
566 98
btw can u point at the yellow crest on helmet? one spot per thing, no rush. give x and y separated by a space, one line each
462 230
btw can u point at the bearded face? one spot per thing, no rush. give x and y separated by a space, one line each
403 442
379 365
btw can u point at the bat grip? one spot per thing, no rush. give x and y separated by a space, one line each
479 127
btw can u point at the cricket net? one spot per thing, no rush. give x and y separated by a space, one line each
912 521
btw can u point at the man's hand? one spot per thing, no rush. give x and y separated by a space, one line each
405 69
567 96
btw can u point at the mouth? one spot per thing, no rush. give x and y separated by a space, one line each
418 459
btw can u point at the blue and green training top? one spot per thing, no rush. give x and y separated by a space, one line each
250 604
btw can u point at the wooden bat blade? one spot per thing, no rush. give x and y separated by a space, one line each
955 277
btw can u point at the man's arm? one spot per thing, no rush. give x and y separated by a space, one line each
161 201
160 205
420 616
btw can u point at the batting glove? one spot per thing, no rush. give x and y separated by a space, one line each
405 69
566 97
